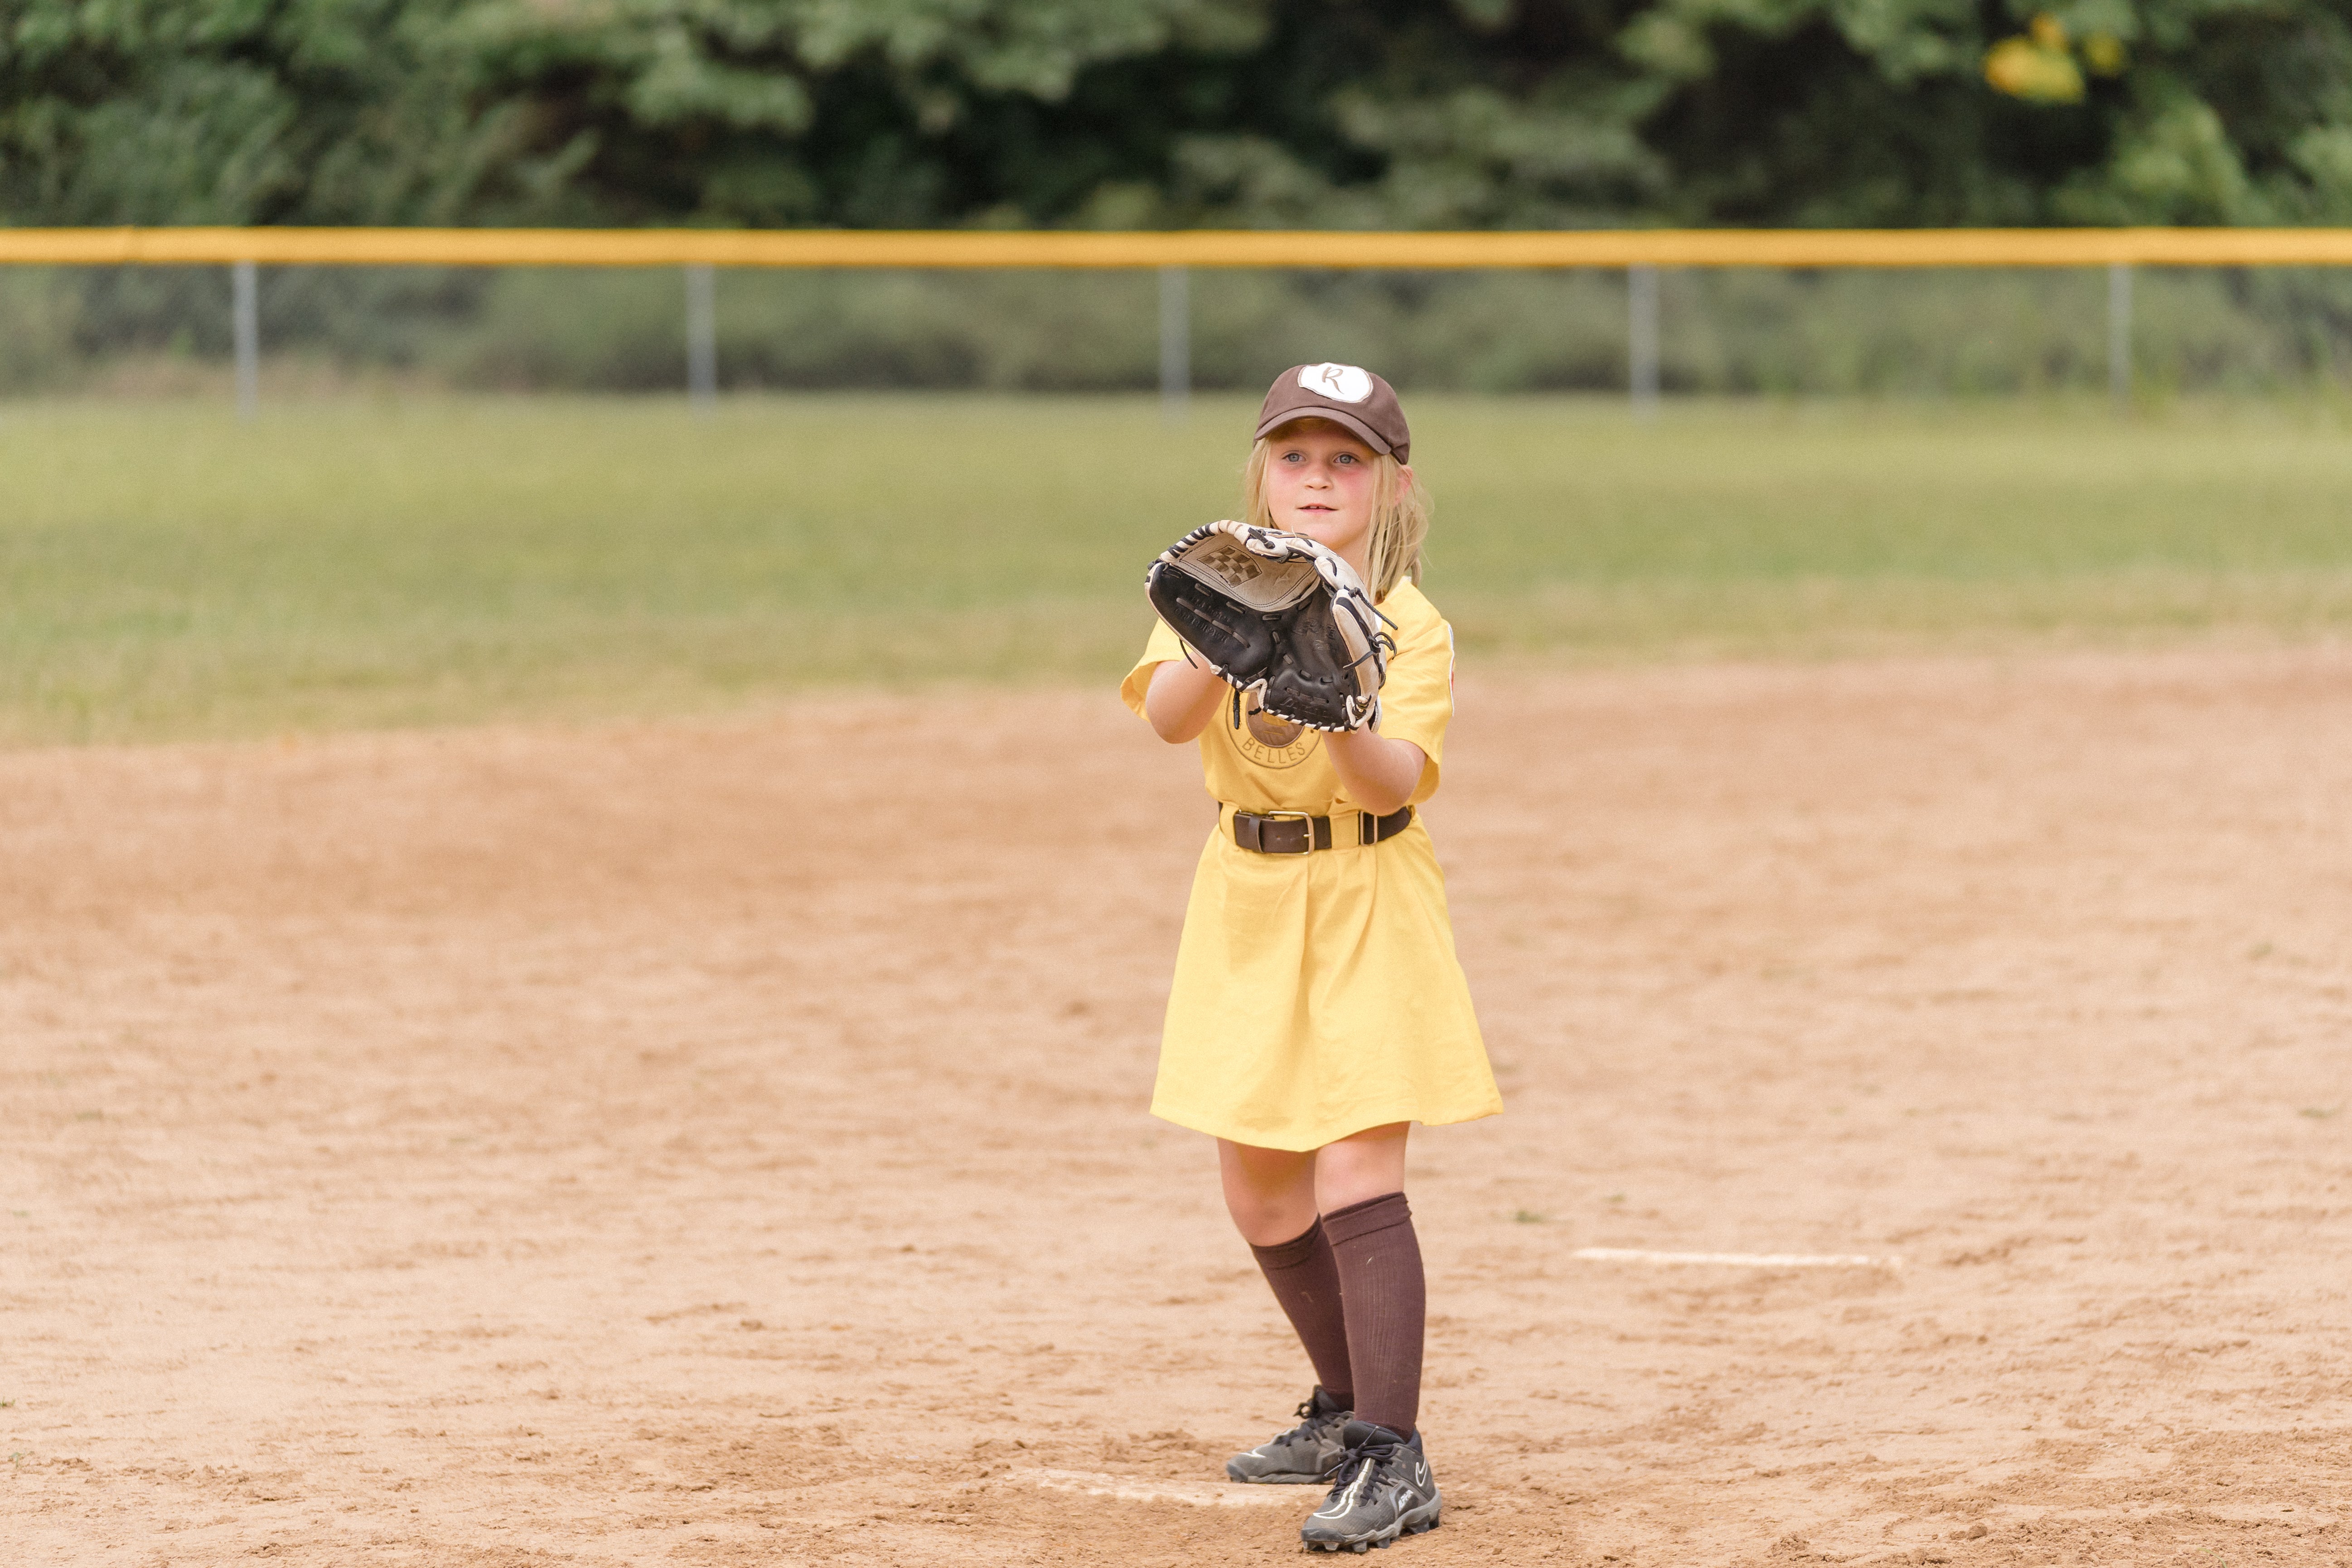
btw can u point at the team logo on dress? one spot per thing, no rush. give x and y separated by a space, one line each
1269 741
1339 383
1268 730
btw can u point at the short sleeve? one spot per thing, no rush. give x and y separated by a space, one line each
1163 645
1417 700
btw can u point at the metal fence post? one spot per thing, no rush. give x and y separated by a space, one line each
1175 342
1642 338
245 329
701 337
2119 333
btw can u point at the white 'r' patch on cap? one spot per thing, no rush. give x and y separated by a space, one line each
1339 383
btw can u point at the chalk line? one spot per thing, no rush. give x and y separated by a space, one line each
1200 1494
1737 1260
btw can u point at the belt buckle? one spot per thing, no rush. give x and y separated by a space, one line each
1306 836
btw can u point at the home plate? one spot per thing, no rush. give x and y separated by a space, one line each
1737 1260
1200 1494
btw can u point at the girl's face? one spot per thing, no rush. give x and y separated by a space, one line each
1319 482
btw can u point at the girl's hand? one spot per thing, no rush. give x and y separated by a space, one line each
1379 774
1181 699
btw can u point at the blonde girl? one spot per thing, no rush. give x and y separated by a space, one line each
1318 1009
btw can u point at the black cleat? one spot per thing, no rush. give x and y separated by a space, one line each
1381 1490
1305 1454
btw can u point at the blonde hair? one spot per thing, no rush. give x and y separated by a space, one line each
1400 508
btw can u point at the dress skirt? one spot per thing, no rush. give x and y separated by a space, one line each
1316 995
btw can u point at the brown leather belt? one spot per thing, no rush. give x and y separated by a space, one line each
1296 833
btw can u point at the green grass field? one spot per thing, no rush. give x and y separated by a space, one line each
164 571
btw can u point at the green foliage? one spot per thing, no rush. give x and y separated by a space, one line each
246 111
1402 113
167 571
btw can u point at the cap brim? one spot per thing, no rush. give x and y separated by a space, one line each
1340 416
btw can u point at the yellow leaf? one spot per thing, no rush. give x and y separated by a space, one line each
2023 69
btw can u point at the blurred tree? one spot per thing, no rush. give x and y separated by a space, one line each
253 111
1102 113
1410 113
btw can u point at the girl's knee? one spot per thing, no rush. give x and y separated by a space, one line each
1264 1224
1270 1202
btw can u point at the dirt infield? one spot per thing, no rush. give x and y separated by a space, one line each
723 1141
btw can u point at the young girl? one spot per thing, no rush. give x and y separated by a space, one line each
1319 1010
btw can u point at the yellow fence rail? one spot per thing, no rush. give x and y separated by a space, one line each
1638 252
1195 247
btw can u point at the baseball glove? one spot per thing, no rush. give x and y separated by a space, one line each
1279 615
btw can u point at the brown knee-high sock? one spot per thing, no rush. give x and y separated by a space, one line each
1307 1286
1379 1260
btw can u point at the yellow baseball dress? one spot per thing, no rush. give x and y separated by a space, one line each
1318 994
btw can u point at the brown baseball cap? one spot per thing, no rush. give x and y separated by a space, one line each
1346 394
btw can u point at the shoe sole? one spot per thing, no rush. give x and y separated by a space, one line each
1386 1538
